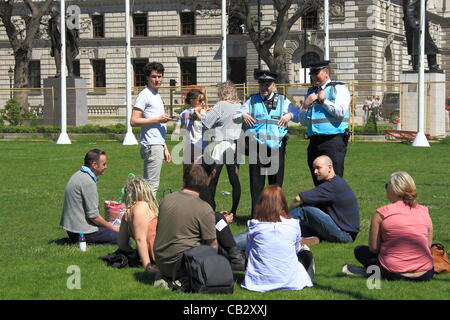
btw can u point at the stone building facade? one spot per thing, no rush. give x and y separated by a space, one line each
367 45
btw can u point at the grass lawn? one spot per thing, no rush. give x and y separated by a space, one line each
34 175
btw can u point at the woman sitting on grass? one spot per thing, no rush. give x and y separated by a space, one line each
140 220
401 235
273 241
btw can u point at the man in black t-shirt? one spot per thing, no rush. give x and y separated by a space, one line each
330 210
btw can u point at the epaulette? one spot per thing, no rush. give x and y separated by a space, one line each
335 83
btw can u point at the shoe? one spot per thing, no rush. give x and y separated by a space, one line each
310 240
159 281
237 259
305 257
352 270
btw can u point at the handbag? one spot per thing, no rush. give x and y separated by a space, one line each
440 258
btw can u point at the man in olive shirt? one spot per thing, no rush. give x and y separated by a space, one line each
184 221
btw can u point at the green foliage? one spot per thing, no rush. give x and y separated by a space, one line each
371 125
13 112
379 129
445 140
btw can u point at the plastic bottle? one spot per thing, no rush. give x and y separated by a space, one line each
82 241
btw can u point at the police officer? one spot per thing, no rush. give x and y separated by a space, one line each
326 114
265 117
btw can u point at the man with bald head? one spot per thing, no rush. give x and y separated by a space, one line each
329 211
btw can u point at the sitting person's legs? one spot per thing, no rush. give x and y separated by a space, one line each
241 240
102 236
321 223
227 244
365 256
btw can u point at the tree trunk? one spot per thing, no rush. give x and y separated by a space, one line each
22 58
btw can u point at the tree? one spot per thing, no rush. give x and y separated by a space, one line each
22 39
270 41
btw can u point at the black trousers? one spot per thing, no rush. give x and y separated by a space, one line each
270 163
334 146
367 258
209 193
225 237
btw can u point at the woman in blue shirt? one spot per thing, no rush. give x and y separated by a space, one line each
273 247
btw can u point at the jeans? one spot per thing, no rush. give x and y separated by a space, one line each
315 222
241 240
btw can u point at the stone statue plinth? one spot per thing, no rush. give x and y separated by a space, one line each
77 111
435 114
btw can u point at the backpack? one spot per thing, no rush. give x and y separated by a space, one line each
207 271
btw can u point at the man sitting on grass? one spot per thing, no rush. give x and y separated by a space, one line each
330 210
80 211
186 221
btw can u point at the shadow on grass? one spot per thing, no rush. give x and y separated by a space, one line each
145 277
62 242
239 277
355 295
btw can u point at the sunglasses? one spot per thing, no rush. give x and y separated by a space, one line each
386 185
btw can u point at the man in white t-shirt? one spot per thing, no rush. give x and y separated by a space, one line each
149 114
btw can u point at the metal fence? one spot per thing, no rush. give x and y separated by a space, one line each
395 106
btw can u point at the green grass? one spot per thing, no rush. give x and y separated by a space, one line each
34 174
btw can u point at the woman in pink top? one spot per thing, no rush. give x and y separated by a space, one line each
401 234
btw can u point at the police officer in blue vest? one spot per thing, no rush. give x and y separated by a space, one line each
265 117
326 114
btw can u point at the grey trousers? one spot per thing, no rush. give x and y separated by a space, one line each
153 156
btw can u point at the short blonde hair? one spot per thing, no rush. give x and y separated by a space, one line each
403 185
227 91
138 189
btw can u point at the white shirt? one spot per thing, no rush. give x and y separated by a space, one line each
338 108
151 104
272 257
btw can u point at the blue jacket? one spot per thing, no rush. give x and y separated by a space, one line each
266 130
319 121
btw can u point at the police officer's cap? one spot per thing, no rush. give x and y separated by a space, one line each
265 75
315 67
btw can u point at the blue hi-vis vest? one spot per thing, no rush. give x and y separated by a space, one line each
266 130
319 121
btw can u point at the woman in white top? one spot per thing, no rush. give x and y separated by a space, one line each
273 247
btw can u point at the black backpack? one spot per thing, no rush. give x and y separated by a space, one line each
207 271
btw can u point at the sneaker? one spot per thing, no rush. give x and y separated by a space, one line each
310 240
352 270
